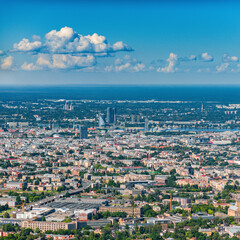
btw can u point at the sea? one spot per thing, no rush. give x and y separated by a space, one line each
222 94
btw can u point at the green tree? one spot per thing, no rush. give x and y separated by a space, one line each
6 215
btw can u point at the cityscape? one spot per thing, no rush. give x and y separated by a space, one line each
89 169
119 120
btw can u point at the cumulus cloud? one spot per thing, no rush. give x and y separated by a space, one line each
30 67
26 46
127 64
7 63
227 58
171 66
67 41
190 58
223 67
206 57
1 53
120 46
65 61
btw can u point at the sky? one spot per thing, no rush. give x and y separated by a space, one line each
119 42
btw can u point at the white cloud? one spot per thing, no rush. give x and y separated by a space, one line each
26 46
205 57
7 63
1 53
118 61
120 46
223 67
30 67
123 67
138 67
109 68
190 58
127 64
227 58
44 60
66 40
65 61
172 62
57 41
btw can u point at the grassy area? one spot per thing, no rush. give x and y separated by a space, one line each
8 211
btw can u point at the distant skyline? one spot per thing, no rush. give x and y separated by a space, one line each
119 42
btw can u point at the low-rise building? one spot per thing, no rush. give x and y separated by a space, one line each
45 226
132 211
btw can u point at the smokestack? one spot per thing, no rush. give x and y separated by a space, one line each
23 209
170 201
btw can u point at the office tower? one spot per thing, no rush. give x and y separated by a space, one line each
71 107
66 106
138 118
111 112
101 119
146 125
83 132
115 115
133 118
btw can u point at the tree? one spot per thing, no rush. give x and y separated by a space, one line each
8 228
67 195
6 215
67 219
26 231
141 230
71 151
148 211
115 225
106 233
136 227
37 230
91 235
18 200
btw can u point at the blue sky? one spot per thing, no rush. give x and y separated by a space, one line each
136 42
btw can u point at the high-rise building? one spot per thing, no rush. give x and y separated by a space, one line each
101 119
111 115
146 128
83 132
115 115
66 106
133 118
71 107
